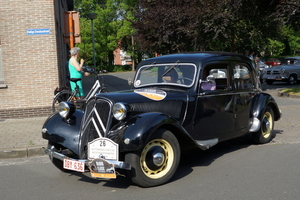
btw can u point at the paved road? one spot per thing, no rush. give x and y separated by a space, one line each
287 128
225 172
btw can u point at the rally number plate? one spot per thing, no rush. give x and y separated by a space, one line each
103 147
74 165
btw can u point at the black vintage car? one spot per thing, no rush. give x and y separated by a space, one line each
178 101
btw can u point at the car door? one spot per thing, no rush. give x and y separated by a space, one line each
214 113
243 85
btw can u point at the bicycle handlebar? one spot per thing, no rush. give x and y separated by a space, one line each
91 70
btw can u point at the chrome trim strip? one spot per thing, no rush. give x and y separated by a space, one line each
99 119
96 127
53 154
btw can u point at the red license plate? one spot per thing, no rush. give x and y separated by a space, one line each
73 165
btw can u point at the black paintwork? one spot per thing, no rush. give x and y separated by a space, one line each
189 113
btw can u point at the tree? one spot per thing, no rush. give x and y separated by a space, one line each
232 25
110 27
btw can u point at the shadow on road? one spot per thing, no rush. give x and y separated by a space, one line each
189 159
199 158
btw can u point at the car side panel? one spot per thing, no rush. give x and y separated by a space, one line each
214 115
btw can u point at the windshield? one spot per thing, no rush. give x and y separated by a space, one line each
290 62
180 74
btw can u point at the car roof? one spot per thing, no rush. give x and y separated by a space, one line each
194 57
296 57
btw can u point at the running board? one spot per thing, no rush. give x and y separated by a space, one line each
206 144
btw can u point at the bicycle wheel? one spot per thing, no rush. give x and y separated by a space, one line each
60 97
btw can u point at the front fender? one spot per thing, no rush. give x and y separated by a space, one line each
63 132
139 129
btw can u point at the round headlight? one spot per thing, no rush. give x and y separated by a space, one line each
119 111
66 109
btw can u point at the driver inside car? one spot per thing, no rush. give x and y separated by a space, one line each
171 76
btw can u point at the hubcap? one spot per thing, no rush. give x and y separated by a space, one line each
292 80
157 158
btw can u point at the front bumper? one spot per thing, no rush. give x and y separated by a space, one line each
117 164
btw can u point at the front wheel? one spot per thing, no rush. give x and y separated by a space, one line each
61 96
157 162
264 134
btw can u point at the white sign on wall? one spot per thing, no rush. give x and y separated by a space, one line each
42 31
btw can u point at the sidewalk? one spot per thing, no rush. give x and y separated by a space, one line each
22 138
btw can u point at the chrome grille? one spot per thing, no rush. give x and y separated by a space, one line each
273 72
97 118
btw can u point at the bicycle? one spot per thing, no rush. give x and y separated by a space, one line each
65 94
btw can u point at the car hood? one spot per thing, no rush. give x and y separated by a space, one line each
279 67
168 101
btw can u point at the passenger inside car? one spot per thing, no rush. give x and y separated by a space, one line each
209 83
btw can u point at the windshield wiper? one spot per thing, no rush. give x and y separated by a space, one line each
177 62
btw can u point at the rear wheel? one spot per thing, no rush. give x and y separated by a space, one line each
157 162
264 134
60 97
291 80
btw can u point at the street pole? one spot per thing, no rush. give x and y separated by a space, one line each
93 42
93 16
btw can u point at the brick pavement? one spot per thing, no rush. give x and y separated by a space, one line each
21 137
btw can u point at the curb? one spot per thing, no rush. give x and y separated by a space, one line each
284 94
22 152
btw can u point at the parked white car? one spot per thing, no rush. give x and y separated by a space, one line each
288 71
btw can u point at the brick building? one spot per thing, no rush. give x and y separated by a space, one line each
32 55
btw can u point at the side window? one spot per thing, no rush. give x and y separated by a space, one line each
242 77
215 77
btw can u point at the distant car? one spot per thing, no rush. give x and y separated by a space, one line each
272 62
261 66
178 102
288 71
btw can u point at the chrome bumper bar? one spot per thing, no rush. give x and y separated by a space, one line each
53 154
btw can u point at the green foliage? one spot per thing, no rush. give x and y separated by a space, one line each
110 27
295 91
117 68
143 27
274 48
